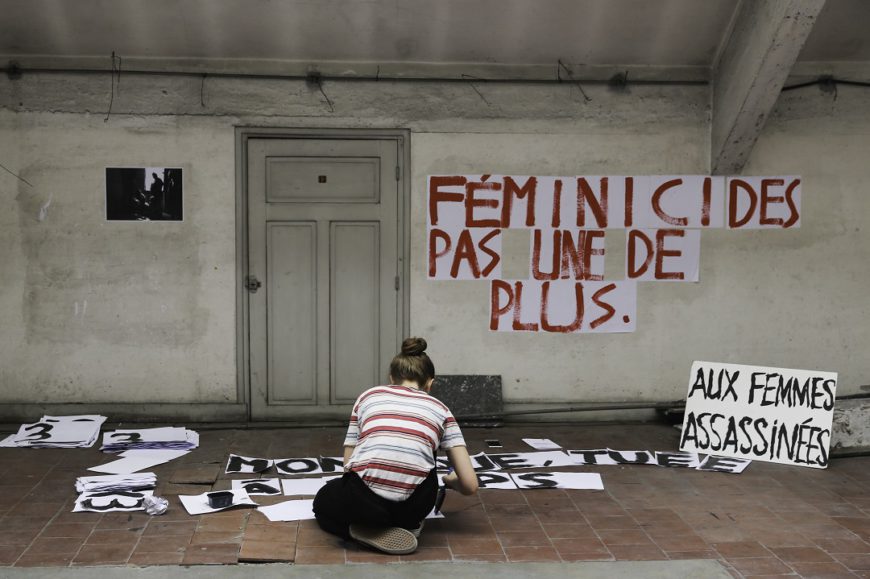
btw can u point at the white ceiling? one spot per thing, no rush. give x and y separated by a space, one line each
648 33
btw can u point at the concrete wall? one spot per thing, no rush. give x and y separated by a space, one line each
160 322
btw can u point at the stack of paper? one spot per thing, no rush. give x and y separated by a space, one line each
116 482
58 432
170 437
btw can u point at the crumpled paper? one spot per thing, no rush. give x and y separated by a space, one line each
156 505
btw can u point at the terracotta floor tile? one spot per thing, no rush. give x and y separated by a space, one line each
625 537
527 554
523 539
637 552
760 566
472 546
830 570
432 539
45 560
855 562
9 553
111 537
427 554
56 545
265 551
480 558
681 543
580 545
612 522
18 537
558 516
709 554
801 554
316 538
103 554
70 517
24 523
200 537
69 529
163 543
843 545
155 558
163 528
360 554
271 533
503 524
134 520
568 531
858 525
319 555
211 554
498 496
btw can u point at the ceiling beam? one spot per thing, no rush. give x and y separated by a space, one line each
754 63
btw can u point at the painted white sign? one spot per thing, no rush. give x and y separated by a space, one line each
760 413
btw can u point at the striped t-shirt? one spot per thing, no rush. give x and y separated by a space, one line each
396 431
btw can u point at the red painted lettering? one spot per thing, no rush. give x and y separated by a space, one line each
657 208
609 310
545 303
527 191
437 196
734 187
662 253
434 254
471 202
598 205
634 235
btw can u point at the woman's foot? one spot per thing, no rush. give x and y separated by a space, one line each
392 540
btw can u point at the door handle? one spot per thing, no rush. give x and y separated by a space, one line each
252 284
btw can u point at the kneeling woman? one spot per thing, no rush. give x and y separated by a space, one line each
390 483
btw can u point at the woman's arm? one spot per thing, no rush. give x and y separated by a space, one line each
463 478
348 450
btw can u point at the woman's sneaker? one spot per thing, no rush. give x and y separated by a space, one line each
392 540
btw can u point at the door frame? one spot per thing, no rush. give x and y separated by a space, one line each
402 137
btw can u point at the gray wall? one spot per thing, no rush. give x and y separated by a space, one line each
160 325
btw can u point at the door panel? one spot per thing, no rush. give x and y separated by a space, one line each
291 292
324 237
355 308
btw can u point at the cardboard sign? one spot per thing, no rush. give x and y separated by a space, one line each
759 413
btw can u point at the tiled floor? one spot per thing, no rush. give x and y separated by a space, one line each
770 520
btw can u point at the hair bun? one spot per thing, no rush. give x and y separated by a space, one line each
413 346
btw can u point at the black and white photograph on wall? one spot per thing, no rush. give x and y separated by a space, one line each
143 194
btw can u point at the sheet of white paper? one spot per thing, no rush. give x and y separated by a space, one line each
237 463
541 443
297 510
259 486
558 480
541 459
8 441
591 457
495 480
677 459
304 486
198 504
298 466
136 460
110 502
724 464
433 515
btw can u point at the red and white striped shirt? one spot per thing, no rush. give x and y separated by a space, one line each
396 431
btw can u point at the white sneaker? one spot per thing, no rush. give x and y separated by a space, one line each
392 540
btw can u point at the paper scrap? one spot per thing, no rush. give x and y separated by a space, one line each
198 504
304 486
296 510
136 460
541 443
